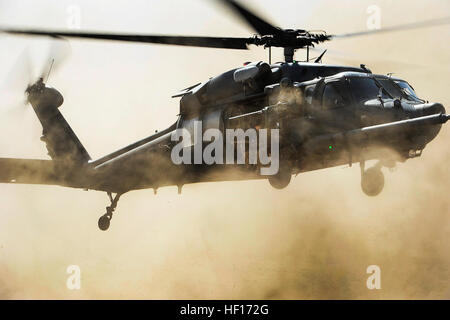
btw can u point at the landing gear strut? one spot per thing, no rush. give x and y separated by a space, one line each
282 179
372 180
105 220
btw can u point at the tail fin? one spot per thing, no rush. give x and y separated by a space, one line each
62 143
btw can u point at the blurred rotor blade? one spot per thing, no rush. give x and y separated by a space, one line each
258 24
21 73
58 51
352 58
25 72
12 89
409 26
15 109
207 42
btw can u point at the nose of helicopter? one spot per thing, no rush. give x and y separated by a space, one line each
428 133
428 109
435 108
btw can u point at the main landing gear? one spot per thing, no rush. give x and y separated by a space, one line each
372 180
105 220
283 177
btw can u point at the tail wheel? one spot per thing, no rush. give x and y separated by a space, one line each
372 181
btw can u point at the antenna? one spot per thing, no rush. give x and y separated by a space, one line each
50 70
319 58
270 55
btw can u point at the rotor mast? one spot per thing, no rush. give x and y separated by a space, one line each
289 54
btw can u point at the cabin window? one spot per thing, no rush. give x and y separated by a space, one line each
334 96
309 93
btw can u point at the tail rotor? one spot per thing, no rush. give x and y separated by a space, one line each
28 71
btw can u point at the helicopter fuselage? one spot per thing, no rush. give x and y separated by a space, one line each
325 115
317 108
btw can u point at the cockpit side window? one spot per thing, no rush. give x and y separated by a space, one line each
365 89
391 88
334 96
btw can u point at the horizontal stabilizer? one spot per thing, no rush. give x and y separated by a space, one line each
30 171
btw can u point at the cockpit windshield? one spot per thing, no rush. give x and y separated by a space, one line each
408 90
368 88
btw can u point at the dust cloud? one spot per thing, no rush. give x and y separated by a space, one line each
243 240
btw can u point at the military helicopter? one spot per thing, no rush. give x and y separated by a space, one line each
327 116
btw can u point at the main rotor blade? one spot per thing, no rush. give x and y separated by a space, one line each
207 42
409 26
258 24
352 58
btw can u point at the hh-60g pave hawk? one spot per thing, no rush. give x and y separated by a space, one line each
326 115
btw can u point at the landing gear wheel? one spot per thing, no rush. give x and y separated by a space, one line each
104 222
282 179
372 181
